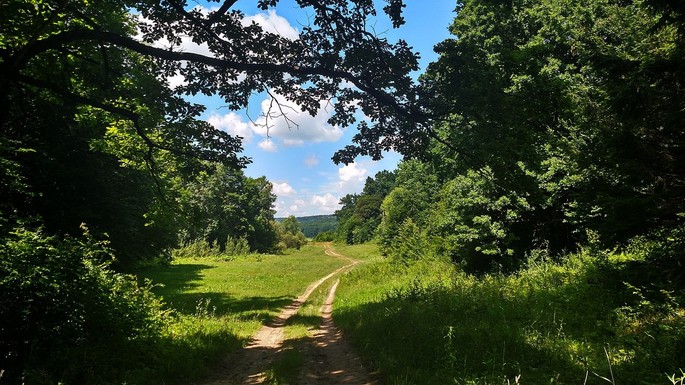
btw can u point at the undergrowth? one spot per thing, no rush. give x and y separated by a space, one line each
585 320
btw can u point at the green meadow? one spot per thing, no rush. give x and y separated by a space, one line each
585 319
215 306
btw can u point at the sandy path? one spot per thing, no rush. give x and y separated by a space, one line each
328 359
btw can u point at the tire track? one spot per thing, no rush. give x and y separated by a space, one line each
324 351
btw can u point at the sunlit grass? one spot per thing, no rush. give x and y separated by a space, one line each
427 323
362 252
218 305
285 370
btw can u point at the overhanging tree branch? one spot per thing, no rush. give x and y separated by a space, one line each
220 12
73 36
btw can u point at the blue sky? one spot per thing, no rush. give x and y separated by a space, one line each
298 161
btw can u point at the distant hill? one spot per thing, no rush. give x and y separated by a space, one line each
316 224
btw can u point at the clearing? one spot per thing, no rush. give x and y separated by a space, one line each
320 356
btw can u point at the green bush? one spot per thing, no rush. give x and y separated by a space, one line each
237 246
290 235
64 315
292 241
200 248
410 244
664 247
474 222
326 236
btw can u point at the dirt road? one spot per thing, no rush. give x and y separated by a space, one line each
327 358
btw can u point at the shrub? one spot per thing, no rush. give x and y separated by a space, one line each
664 248
410 243
475 221
326 236
292 241
237 246
290 235
64 315
200 248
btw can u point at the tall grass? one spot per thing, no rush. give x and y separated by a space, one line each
581 321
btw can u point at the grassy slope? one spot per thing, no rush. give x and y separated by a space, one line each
218 305
551 323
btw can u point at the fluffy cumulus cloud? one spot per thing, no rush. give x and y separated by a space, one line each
283 189
288 126
286 121
268 145
305 204
326 203
297 207
352 173
233 124
350 179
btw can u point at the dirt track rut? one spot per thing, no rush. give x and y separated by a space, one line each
328 358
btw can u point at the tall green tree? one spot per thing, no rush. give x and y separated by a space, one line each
577 105
290 233
416 191
549 119
360 214
223 204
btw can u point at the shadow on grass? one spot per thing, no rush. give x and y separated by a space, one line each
175 278
173 360
160 359
219 304
176 281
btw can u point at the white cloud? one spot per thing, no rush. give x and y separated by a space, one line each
326 203
306 203
233 124
268 145
350 179
176 80
283 189
311 160
294 126
271 22
352 173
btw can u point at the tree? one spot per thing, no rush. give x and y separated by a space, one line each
223 204
360 214
244 60
290 234
547 120
416 191
76 77
576 106
380 184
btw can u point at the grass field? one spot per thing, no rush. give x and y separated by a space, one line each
217 305
585 320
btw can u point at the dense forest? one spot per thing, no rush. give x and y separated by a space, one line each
556 125
545 129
